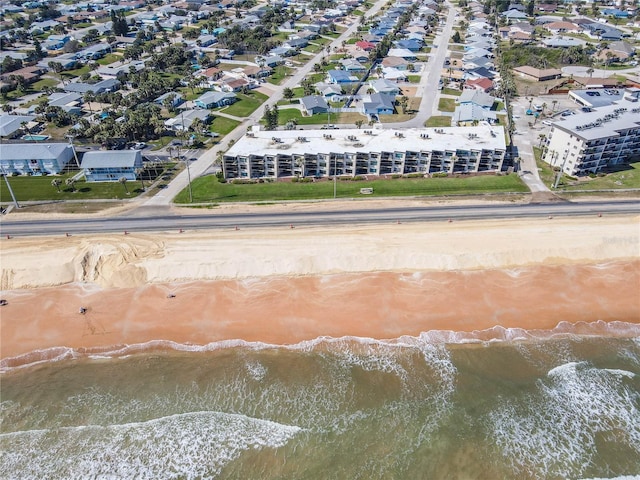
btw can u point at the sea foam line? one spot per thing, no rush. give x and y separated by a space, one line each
434 337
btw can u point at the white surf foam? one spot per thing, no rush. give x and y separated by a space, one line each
190 446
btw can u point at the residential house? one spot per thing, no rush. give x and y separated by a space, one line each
537 74
476 97
70 102
34 158
177 99
382 85
271 61
482 83
29 74
296 43
393 74
413 45
55 42
470 114
340 77
111 165
378 104
185 119
104 86
257 72
395 62
514 15
11 125
366 46
402 53
313 104
213 99
562 27
351 65
329 90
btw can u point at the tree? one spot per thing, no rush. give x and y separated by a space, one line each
123 181
403 102
456 37
359 123
71 182
56 182
139 173
288 93
89 97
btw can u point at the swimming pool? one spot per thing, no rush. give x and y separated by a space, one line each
35 138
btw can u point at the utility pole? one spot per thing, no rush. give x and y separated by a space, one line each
186 161
6 179
564 160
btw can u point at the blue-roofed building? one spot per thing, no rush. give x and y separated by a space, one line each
34 158
111 166
615 13
340 76
378 104
313 104
411 44
215 99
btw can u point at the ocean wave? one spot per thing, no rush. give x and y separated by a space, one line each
188 445
433 337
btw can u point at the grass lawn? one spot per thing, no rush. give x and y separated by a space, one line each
109 58
223 125
447 105
246 105
41 84
544 169
208 189
39 188
77 72
313 48
287 114
624 176
413 78
189 94
451 91
279 74
439 121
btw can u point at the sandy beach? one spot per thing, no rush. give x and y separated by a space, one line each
288 285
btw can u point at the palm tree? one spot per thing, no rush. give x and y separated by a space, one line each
123 181
89 97
56 182
139 172
359 123
71 182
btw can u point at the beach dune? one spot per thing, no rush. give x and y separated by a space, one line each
286 285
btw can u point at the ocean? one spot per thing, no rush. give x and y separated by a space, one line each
494 404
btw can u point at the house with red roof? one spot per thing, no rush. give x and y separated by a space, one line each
366 46
483 84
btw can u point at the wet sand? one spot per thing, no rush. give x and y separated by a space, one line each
268 286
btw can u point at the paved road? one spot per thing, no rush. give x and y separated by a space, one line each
428 86
203 164
156 221
580 71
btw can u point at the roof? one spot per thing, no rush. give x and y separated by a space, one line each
603 122
111 158
537 72
25 151
214 97
10 123
470 112
477 97
313 101
261 142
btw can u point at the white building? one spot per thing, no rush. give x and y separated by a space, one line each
590 141
324 153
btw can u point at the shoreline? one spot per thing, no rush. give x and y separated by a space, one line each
284 286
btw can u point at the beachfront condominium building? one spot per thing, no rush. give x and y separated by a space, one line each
325 153
591 141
